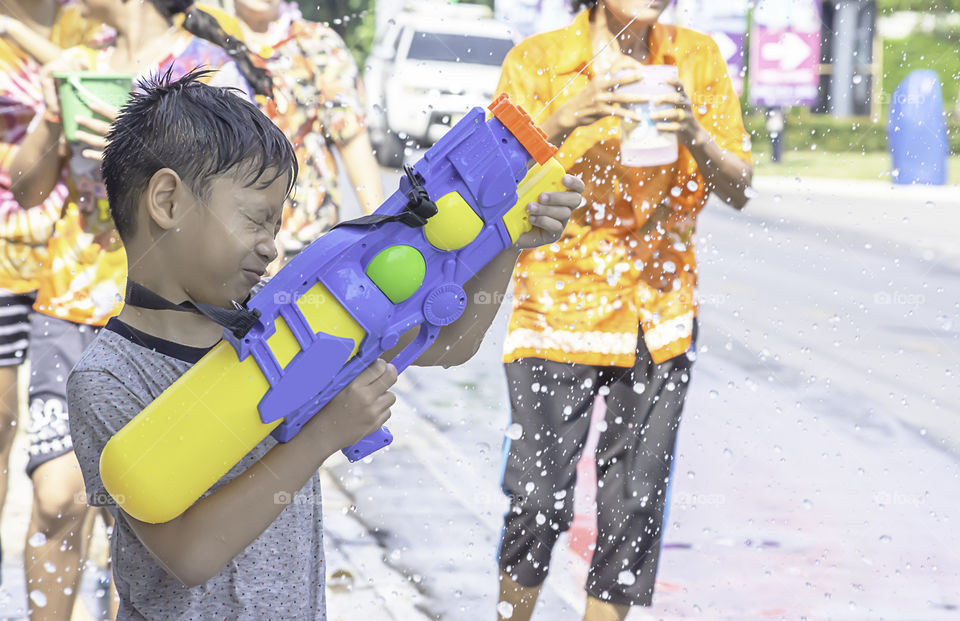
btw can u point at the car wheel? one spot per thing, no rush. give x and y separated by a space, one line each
390 151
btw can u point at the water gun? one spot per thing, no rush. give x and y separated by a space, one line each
334 309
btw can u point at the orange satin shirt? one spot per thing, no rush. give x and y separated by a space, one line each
626 259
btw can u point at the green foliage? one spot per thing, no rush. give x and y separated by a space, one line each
354 20
925 6
819 132
939 51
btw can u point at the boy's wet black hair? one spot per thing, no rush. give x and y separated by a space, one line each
198 131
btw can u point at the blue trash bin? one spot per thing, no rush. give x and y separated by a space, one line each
917 130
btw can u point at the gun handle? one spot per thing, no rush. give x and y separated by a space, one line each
382 437
372 443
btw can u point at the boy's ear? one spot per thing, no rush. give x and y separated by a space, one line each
164 198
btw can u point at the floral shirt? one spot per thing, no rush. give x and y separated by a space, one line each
24 232
86 273
318 102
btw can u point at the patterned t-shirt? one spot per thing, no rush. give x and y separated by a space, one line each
318 102
278 576
84 279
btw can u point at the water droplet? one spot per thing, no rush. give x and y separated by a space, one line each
529 487
39 598
541 519
514 431
37 539
505 609
50 567
626 578
639 388
714 394
885 538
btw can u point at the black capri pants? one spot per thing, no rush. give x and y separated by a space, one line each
553 402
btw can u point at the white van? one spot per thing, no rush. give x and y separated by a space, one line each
431 64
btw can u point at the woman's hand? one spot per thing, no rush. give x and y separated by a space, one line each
550 215
51 98
96 137
598 100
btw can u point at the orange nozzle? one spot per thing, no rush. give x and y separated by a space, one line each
519 123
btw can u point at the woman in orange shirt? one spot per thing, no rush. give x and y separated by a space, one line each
609 308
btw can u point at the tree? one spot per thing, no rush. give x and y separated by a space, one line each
352 19
923 6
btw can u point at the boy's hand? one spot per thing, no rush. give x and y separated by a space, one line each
96 137
549 216
361 408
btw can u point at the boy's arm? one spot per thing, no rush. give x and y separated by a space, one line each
195 546
485 292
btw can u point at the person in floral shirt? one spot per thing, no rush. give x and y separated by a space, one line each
318 103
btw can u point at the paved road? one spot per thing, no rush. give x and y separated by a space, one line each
818 457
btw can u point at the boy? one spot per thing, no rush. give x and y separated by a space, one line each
196 180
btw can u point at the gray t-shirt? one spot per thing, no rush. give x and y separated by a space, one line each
279 575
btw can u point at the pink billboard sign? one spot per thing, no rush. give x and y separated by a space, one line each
785 53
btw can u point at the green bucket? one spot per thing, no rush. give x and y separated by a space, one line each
77 89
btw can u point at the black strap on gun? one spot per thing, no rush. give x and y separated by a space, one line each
419 207
238 320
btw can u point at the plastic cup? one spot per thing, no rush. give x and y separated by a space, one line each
641 143
78 89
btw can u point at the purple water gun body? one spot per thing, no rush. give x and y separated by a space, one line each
400 268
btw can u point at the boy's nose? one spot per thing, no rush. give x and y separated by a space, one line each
267 250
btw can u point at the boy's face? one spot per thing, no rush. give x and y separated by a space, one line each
224 246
